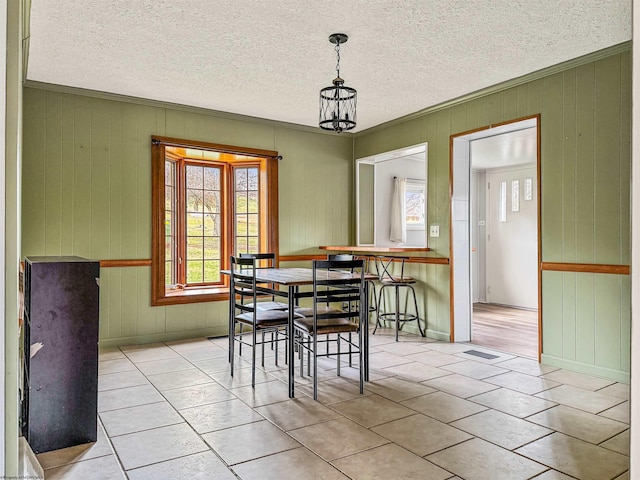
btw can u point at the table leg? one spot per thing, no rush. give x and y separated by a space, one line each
364 311
292 291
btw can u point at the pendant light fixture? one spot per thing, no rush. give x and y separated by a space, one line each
337 102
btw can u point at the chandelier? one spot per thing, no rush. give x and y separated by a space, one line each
337 102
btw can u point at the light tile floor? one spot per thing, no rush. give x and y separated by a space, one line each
431 411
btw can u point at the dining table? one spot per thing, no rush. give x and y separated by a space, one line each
291 280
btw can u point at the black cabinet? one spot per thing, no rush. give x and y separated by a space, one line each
60 401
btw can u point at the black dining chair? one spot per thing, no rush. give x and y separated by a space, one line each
329 325
244 287
389 279
266 260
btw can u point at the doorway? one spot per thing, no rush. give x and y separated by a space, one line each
494 237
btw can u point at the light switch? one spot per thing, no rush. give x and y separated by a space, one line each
434 231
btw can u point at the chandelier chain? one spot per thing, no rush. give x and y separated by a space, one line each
338 57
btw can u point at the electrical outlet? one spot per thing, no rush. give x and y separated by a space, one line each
434 231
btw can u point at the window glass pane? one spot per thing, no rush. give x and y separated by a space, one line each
241 225
241 202
212 271
211 225
212 202
195 224
253 225
168 198
212 178
195 200
195 176
195 249
254 246
212 247
528 188
241 179
168 172
167 273
168 230
194 271
414 211
252 174
515 195
252 202
241 245
168 248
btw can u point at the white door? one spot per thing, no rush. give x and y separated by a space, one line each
512 237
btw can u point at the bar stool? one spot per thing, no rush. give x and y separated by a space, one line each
373 300
384 270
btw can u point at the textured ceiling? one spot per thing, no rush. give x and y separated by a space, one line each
269 59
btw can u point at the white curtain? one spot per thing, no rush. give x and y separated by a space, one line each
398 222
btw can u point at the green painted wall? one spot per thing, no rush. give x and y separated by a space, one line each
87 191
586 165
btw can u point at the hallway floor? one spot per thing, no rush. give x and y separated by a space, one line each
513 330
432 410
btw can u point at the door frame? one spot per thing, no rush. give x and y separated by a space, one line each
460 306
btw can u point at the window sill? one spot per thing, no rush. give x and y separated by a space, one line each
191 295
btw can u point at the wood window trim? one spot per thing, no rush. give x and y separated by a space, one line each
268 241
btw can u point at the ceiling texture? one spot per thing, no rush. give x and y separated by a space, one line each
269 59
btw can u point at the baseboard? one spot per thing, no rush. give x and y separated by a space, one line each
165 337
436 335
28 464
609 373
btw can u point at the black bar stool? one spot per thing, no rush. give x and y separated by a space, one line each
384 269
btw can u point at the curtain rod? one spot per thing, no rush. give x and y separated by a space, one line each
413 179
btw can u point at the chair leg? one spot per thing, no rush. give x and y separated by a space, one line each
338 350
397 311
315 367
232 346
415 303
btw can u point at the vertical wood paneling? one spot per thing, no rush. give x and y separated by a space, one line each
608 297
585 318
114 300
99 157
607 160
129 187
585 83
129 299
82 177
569 316
510 104
625 324
522 108
147 125
33 189
53 174
68 175
552 292
625 159
552 169
115 151
569 185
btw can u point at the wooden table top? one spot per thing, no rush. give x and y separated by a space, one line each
372 249
299 276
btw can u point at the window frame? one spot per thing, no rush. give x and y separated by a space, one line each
268 180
